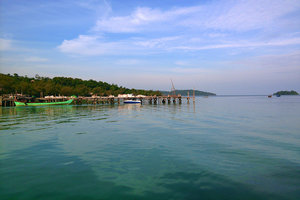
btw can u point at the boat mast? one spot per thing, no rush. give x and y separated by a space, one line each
173 91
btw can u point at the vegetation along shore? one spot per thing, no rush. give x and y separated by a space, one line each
292 92
39 86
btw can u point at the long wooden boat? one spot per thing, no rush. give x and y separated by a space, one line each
43 104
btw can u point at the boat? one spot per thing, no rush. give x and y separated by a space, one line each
132 101
270 96
18 103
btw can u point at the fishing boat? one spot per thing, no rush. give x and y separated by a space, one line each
18 103
132 101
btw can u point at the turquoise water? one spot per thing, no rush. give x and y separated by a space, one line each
219 148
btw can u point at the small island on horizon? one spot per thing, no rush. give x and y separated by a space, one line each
292 92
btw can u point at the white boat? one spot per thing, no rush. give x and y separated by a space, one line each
132 101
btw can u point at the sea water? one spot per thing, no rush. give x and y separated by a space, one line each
242 147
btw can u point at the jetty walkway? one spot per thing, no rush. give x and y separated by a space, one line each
170 99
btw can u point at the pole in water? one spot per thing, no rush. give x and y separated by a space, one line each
194 95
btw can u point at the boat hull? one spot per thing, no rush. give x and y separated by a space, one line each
44 104
132 102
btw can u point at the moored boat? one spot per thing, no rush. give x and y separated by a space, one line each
18 103
132 101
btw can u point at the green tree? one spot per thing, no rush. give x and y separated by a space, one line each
62 85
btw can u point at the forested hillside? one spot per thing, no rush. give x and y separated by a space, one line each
67 86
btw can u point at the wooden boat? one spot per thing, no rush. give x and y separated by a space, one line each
43 104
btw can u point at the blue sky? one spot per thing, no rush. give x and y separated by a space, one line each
226 47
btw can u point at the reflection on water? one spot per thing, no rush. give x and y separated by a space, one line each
130 107
220 148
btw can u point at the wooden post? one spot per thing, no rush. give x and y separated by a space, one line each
193 95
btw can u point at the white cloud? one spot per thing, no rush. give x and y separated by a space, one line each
228 15
247 14
90 45
129 23
141 17
241 44
94 45
208 26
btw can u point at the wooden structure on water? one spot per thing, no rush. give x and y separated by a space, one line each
170 99
6 101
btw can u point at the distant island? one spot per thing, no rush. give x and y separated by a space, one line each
292 92
185 93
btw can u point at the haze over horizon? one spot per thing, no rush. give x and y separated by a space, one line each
224 47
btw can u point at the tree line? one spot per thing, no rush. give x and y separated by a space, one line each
36 86
292 92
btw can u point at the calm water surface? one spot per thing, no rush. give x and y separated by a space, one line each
219 148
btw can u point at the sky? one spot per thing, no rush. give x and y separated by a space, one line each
225 47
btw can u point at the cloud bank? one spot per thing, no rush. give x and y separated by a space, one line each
217 25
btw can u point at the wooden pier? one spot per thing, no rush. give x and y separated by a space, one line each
6 101
171 99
